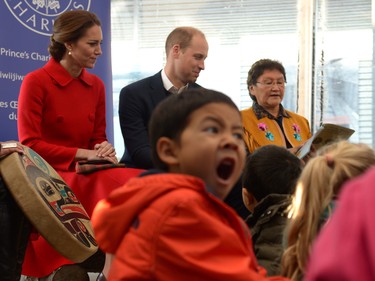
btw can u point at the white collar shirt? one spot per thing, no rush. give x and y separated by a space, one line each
168 84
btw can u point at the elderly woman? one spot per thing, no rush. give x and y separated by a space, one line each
267 122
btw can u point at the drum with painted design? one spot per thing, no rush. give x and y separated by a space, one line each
49 204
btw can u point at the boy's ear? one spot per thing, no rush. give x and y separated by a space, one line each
166 149
248 199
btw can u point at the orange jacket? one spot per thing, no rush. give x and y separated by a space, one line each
167 227
265 131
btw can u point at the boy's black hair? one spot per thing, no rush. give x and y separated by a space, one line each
171 116
271 169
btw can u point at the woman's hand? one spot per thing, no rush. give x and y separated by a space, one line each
294 150
311 154
105 149
10 146
90 155
308 156
93 155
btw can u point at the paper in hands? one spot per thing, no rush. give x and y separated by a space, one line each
326 134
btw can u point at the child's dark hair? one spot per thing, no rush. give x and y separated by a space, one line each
171 116
271 169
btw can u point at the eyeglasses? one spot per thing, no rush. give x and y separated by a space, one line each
271 83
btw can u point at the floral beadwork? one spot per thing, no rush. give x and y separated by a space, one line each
268 134
297 131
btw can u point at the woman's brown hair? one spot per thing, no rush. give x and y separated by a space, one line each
69 27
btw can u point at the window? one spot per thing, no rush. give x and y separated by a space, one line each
343 64
239 32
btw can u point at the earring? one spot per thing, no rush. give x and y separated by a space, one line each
70 52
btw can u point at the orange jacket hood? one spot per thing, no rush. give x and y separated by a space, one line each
128 201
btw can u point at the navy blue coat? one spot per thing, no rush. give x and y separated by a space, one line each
137 101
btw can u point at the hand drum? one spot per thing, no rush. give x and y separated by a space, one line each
49 204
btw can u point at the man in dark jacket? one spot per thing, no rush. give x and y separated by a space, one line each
186 50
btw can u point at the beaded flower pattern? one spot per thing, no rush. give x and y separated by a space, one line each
297 131
263 127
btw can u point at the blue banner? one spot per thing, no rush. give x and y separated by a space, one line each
26 27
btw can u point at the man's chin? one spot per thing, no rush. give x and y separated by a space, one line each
195 76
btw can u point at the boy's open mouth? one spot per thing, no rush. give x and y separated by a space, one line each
225 168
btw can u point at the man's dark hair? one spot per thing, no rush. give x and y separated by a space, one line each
271 169
171 116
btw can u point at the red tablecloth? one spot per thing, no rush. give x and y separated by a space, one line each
41 259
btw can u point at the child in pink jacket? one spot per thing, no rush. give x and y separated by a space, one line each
345 248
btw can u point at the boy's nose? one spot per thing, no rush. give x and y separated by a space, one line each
231 143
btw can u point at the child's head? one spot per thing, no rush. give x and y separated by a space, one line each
269 169
199 132
319 184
